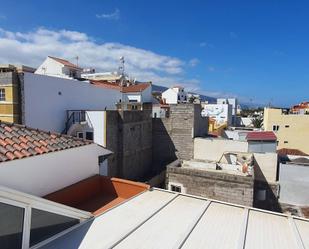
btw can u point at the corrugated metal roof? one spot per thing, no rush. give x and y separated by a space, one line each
164 219
261 136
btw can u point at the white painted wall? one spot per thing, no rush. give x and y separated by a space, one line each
147 95
54 68
97 122
47 99
220 112
133 97
294 184
245 121
212 149
170 96
230 101
43 174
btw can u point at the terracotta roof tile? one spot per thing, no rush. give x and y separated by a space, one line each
139 87
3 158
287 151
10 156
17 141
64 62
261 136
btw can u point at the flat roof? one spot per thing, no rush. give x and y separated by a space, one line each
163 219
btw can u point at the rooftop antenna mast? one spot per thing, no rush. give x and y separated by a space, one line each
76 58
121 71
121 66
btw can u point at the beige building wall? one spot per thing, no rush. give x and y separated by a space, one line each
211 149
293 132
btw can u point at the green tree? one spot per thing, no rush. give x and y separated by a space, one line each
257 122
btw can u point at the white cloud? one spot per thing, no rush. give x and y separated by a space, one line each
110 16
31 48
193 62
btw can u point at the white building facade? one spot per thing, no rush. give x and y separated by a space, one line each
174 95
222 113
46 100
57 67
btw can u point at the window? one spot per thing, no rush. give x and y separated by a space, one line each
275 127
89 135
2 94
80 134
176 188
286 142
287 126
45 224
11 226
134 107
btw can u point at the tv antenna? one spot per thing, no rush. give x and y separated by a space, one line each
121 66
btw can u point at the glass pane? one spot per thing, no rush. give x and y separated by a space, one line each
45 224
89 135
11 226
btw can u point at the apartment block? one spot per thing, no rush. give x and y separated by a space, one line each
10 104
291 129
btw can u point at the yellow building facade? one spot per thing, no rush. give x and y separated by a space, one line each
292 130
10 80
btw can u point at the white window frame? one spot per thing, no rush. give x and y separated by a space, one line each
26 201
2 94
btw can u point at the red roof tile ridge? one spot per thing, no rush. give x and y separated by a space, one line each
64 62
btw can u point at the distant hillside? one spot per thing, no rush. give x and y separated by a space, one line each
156 88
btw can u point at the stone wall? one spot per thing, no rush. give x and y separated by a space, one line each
173 135
214 185
129 136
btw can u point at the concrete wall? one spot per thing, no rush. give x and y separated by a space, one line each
46 99
294 184
267 166
129 136
213 148
173 136
43 174
215 185
262 146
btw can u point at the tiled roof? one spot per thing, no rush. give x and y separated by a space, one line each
125 89
18 141
261 136
135 88
64 62
294 152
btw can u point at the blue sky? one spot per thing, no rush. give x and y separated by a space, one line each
255 50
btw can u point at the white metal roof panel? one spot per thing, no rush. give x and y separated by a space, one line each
219 227
169 227
162 219
269 231
108 228
303 229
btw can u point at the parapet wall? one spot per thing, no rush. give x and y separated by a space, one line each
214 185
